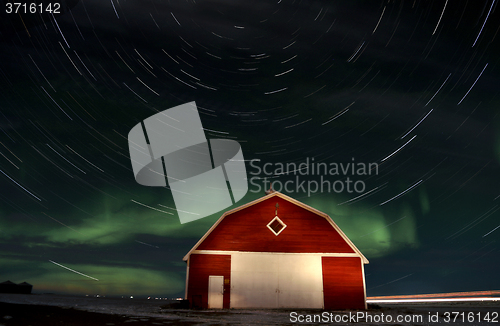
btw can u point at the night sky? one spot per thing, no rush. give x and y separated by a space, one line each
410 85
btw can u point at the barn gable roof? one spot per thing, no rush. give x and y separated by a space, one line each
291 200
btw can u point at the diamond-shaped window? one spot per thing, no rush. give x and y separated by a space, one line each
276 226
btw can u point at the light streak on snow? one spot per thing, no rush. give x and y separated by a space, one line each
451 295
431 300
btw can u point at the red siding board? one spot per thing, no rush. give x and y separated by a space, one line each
343 286
246 230
200 268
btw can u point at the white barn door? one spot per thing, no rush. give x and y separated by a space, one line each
254 280
215 291
261 280
300 281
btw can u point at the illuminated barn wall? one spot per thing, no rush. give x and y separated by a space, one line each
251 259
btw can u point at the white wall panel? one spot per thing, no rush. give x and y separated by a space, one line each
262 280
300 281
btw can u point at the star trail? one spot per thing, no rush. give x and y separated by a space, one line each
411 86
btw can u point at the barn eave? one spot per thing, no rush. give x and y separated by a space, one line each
289 199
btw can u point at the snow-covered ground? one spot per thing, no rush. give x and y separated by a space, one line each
464 313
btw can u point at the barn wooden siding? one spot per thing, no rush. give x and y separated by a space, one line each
200 267
343 283
246 230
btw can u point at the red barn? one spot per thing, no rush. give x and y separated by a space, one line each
275 252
